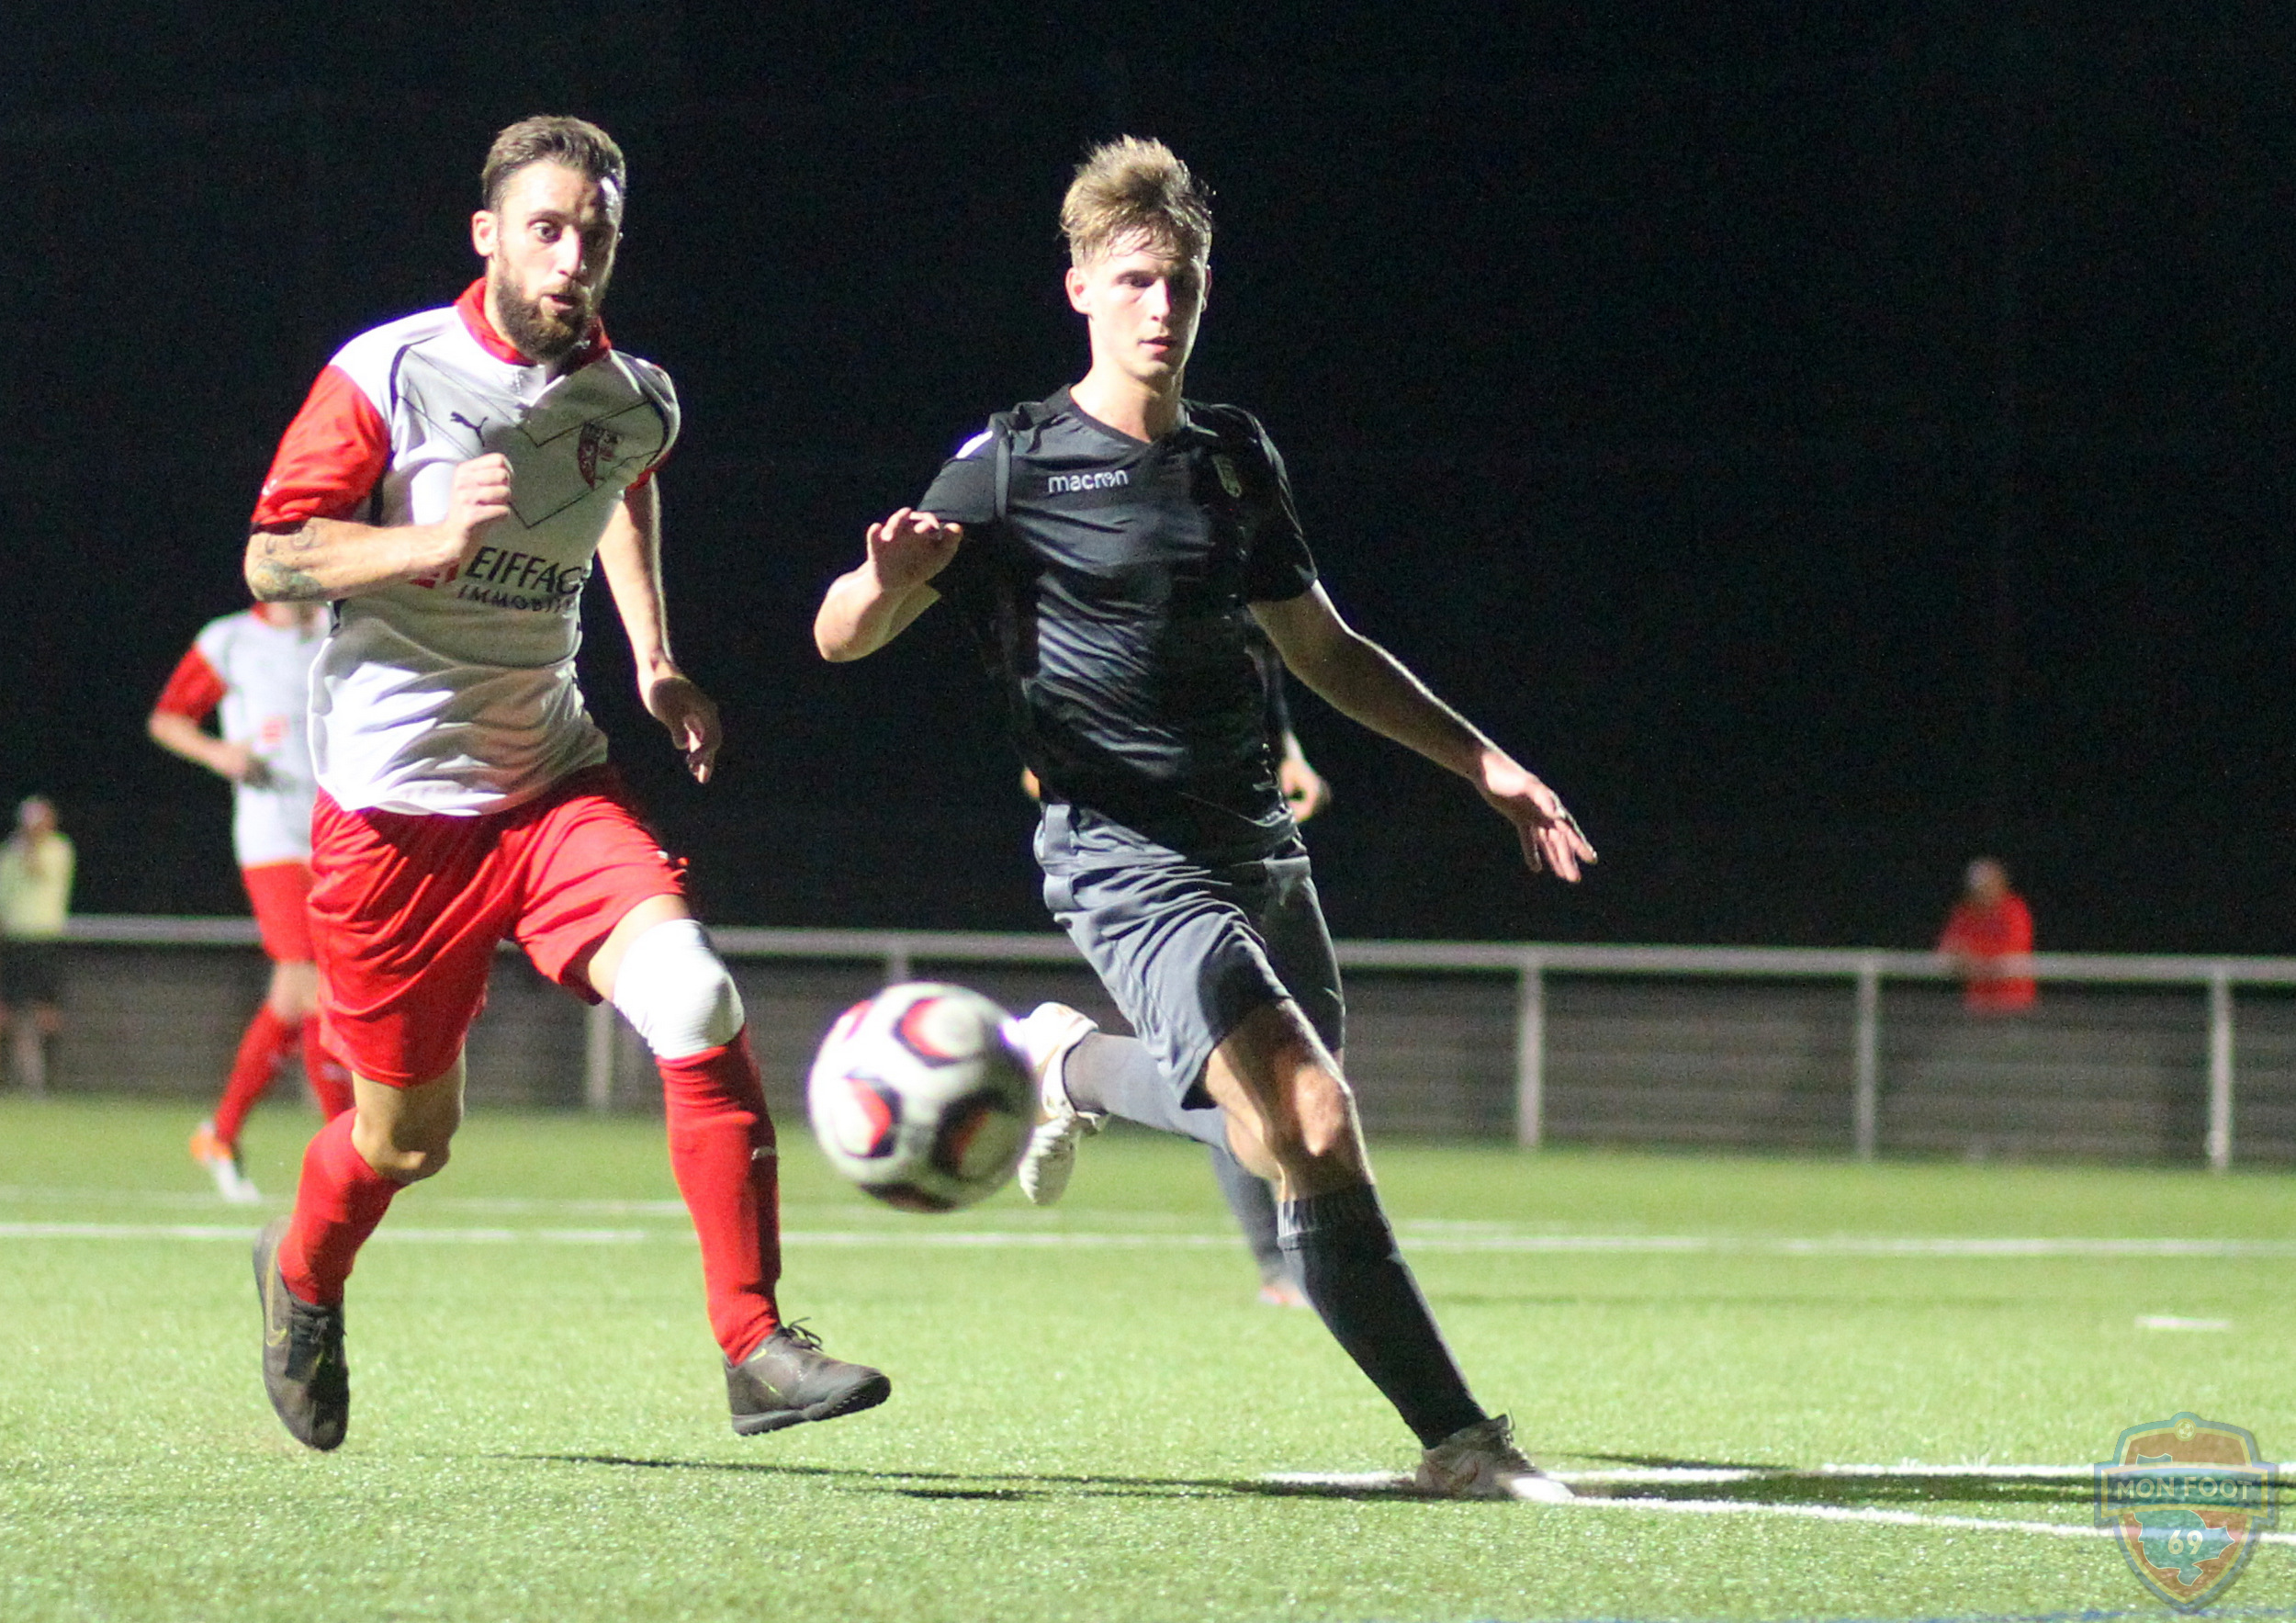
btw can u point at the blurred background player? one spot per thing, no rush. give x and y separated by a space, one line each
449 486
1250 1199
1107 549
1989 937
37 864
254 668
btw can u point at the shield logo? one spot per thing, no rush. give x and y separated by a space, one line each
593 448
2187 1498
1224 465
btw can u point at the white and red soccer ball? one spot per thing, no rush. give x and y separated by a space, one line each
919 1097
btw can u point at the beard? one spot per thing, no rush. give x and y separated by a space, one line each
540 333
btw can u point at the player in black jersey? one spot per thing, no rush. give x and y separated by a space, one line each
1110 547
1249 1199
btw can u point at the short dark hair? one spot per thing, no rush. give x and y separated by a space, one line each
552 137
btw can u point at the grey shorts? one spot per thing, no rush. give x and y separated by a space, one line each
1188 949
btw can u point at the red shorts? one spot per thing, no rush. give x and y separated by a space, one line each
281 893
407 910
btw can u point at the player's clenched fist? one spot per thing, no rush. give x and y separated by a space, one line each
910 548
480 495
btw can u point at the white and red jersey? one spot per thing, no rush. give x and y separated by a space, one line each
258 674
457 693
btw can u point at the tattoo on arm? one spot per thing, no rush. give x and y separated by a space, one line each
275 579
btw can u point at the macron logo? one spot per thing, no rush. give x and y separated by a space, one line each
1062 484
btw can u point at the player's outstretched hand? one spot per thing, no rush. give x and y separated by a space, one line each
691 717
1550 835
910 548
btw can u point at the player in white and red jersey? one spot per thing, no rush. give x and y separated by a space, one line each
254 668
446 487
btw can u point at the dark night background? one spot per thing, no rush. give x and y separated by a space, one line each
1826 442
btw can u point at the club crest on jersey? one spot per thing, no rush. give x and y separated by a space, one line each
2187 1498
1230 480
595 447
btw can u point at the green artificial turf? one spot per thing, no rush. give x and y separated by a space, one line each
1089 1402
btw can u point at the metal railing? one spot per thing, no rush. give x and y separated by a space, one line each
1861 971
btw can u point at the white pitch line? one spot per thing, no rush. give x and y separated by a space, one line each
202 1230
1858 1513
907 1237
1752 1473
1390 1482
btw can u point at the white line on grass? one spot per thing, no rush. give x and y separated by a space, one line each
909 1235
1388 1481
240 1232
1858 1513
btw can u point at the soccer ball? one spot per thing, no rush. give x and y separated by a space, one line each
919 1097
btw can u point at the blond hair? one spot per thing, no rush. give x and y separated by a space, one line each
1130 188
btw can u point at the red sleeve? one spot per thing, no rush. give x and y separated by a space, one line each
193 692
1954 936
329 460
2016 925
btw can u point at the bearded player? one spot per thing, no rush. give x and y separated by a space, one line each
448 487
1110 547
251 670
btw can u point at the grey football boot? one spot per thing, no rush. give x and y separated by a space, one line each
789 1380
303 1368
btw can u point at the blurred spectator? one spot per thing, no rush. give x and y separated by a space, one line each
1989 937
35 868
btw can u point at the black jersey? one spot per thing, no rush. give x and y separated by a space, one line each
1109 596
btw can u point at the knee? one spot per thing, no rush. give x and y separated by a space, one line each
405 1162
676 992
294 991
1320 1124
402 1153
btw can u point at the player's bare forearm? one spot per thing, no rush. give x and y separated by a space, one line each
1366 684
629 553
323 559
859 615
1364 681
181 736
329 558
867 607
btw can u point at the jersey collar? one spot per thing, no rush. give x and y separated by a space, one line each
472 307
1187 430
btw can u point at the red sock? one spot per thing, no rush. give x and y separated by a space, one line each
337 1205
721 1148
260 1051
330 1077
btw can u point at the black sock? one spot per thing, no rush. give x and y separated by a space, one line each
1254 1204
1344 1257
1117 1077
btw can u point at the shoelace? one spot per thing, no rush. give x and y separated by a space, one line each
314 1336
796 1330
